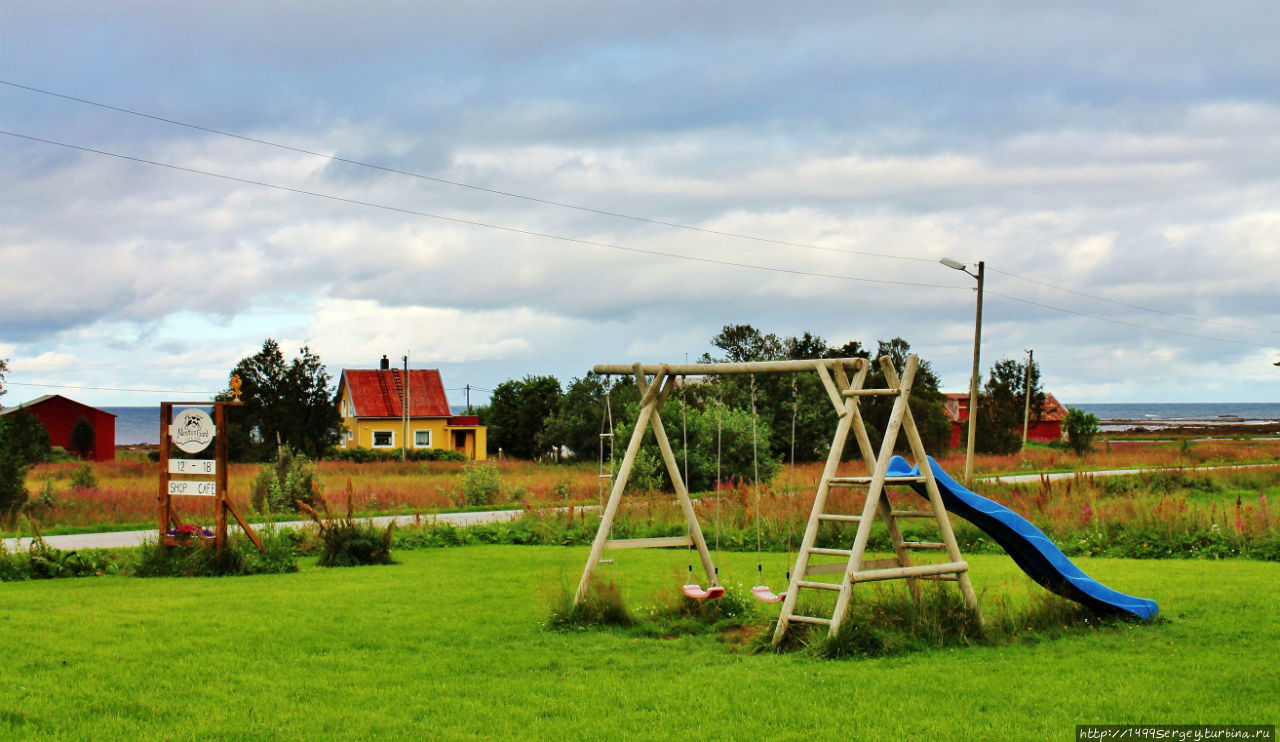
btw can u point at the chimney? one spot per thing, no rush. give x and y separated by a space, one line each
384 364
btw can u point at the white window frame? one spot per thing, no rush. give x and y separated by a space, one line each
417 433
373 439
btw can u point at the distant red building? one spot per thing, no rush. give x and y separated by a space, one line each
1047 427
59 414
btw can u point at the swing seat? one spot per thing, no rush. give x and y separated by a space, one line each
697 593
765 595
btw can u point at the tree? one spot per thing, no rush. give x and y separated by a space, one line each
517 412
926 400
1001 406
83 437
24 441
580 416
285 403
719 439
1081 428
4 367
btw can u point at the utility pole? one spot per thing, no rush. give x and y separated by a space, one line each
1026 389
404 410
468 399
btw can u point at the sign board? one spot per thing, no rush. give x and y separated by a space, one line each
193 466
192 430
196 487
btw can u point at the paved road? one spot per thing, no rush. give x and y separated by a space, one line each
1023 478
124 539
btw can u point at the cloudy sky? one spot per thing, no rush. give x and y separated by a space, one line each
560 184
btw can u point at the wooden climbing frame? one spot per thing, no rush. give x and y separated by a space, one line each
843 379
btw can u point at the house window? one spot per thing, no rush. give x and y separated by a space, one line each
422 439
384 438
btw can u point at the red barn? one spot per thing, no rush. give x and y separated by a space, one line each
59 414
1047 427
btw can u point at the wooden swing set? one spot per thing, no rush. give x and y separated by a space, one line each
843 379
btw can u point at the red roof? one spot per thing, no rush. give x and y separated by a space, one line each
957 407
379 393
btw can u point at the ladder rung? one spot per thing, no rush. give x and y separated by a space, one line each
840 518
831 552
924 544
818 585
871 392
849 481
810 619
911 513
606 476
605 561
606 435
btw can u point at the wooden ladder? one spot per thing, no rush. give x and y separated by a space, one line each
854 569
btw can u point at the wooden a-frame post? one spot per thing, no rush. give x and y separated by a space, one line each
655 396
856 569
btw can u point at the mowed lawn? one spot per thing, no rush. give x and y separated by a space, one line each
448 645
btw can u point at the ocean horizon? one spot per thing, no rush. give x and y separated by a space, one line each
141 425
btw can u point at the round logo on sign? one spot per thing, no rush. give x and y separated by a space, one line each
192 430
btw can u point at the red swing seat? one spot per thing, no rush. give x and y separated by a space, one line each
765 595
697 593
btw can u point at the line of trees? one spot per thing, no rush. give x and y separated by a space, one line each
534 417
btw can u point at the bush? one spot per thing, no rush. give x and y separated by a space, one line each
43 562
366 455
83 437
240 557
481 485
348 543
82 478
1081 429
24 441
279 487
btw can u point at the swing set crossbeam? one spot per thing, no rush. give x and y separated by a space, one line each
719 369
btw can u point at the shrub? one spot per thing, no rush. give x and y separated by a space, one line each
346 542
278 487
366 455
1081 428
83 437
481 485
82 478
43 562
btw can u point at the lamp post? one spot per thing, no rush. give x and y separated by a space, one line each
973 379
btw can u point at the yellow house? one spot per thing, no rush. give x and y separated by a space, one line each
372 404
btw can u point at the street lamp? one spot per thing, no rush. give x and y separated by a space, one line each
973 379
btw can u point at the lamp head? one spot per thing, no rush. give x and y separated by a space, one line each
954 264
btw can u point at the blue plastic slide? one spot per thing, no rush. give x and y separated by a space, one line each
1043 561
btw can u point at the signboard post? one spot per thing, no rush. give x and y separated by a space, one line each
191 431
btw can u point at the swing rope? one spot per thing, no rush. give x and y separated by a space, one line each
692 589
761 591
606 431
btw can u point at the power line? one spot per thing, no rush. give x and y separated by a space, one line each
1134 306
1127 324
471 222
109 388
459 184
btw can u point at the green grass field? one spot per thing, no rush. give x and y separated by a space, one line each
448 645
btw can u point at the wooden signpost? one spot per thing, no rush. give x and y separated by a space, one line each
191 431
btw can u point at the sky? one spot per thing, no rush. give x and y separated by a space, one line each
509 188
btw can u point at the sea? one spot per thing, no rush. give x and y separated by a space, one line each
141 425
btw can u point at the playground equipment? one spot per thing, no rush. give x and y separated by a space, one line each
844 381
